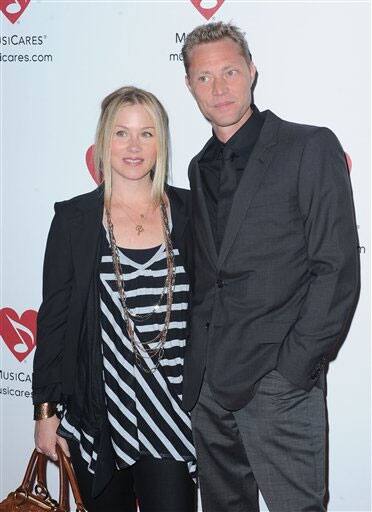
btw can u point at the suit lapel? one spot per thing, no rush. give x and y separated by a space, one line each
251 180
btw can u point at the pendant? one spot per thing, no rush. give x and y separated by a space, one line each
139 229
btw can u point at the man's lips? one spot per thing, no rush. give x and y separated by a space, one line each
223 105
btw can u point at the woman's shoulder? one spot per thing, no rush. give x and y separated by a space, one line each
180 197
77 204
181 192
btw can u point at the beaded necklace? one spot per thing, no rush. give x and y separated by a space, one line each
143 349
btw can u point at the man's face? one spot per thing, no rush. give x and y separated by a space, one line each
220 79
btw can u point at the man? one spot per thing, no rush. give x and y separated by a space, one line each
277 282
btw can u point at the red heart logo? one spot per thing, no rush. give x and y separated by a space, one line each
13 9
18 332
349 162
207 7
89 159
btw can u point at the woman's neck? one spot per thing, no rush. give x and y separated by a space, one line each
131 192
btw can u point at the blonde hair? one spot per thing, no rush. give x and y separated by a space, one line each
102 151
210 33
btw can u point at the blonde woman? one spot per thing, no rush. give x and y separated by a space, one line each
112 327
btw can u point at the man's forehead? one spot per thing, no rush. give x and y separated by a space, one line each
221 54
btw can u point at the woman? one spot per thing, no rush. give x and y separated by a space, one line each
107 382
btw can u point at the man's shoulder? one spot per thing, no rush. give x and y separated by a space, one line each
287 132
301 132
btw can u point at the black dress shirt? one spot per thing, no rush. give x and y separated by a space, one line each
231 157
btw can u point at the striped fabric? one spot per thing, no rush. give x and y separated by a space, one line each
144 408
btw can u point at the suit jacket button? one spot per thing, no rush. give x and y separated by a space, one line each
207 325
315 373
219 283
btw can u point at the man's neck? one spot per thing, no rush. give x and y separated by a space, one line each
224 133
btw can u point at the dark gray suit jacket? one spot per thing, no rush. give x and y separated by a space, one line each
283 289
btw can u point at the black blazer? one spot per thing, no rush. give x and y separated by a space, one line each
282 290
67 353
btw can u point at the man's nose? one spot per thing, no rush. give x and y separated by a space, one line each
219 86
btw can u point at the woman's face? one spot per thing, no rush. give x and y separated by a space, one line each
133 144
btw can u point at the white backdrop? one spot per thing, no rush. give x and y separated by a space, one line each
60 58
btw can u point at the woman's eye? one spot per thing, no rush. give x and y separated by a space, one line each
120 133
147 135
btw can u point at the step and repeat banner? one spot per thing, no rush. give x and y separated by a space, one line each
60 58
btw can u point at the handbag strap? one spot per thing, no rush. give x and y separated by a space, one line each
29 477
63 482
36 468
68 470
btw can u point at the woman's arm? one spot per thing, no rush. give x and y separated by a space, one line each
51 326
52 317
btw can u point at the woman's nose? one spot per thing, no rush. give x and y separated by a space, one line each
134 144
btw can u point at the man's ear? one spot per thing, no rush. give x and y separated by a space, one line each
252 71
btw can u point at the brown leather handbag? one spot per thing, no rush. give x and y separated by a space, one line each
33 495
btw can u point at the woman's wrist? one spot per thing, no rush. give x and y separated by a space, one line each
44 410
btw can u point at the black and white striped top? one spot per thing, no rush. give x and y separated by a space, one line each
143 408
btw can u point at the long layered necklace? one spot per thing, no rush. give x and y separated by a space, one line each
143 349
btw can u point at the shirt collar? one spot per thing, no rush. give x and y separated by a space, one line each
245 136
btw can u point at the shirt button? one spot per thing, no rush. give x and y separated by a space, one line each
219 283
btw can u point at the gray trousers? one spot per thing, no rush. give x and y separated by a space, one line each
276 444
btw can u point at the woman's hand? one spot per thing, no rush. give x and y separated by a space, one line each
46 437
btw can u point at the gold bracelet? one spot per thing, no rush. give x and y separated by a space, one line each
45 410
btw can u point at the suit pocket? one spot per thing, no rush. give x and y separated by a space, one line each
280 389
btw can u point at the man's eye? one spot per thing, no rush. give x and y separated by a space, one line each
232 72
203 78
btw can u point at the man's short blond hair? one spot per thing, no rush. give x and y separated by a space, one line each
210 33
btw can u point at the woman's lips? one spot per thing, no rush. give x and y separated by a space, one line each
133 161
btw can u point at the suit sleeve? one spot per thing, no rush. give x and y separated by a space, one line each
53 312
326 205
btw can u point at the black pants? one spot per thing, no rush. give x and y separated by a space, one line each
159 485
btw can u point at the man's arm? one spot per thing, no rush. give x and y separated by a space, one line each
326 204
